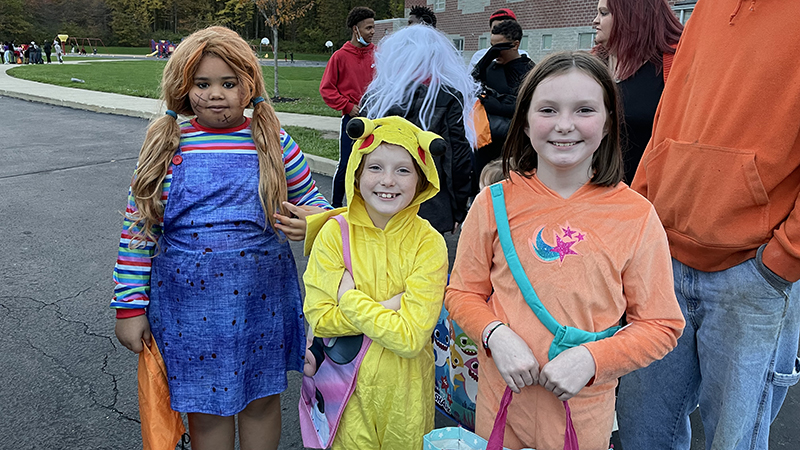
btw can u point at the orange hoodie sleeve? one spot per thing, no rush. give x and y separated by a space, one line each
655 321
470 283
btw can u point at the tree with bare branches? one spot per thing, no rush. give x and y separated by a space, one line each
277 13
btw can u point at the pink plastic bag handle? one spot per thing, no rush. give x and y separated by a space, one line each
570 437
345 243
499 429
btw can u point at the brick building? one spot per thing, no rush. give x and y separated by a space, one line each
548 25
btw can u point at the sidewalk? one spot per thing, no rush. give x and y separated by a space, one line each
145 108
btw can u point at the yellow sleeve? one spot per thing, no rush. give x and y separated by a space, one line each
406 331
321 279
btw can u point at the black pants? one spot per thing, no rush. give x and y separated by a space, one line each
345 148
48 57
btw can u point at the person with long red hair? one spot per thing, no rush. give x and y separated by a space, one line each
637 38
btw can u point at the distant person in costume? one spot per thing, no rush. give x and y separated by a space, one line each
420 76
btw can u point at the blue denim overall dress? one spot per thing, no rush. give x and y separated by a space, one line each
225 302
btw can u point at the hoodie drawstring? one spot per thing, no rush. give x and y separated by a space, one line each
738 6
735 12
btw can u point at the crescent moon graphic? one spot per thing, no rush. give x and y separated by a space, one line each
543 251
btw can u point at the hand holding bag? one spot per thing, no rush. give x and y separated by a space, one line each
453 438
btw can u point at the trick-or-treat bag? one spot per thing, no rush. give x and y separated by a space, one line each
455 438
162 427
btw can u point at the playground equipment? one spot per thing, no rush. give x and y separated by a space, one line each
79 42
162 48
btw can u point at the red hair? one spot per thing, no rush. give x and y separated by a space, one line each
643 30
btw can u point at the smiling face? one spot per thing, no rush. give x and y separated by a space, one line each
602 23
388 182
566 124
217 97
365 29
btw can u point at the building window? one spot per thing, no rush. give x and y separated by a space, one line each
547 42
458 43
683 10
438 5
483 42
523 43
585 41
684 14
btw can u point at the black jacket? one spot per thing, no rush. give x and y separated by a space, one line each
501 83
449 206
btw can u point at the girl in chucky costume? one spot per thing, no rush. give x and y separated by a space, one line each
395 294
203 260
592 248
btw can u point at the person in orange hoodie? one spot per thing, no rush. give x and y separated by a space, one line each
592 248
344 81
723 172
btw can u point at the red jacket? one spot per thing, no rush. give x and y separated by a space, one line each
347 75
723 166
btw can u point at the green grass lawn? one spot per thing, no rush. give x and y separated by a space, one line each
313 143
142 79
122 50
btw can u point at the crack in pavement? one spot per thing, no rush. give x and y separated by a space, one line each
59 169
103 369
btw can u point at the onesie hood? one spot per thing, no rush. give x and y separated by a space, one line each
368 135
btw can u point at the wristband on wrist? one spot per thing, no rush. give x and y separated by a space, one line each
488 335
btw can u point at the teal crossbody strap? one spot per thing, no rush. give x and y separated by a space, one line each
504 233
563 337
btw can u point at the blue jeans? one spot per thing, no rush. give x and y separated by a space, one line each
736 358
345 148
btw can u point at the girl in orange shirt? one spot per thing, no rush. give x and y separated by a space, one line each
592 249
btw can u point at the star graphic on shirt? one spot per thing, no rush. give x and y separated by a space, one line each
580 237
568 232
563 248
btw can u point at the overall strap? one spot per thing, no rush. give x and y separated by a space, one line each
504 233
345 242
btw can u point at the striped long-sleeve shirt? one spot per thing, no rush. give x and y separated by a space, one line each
132 270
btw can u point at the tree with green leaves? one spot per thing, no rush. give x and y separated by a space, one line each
281 12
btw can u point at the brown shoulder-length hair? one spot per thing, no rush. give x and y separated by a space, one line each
519 155
642 30
163 134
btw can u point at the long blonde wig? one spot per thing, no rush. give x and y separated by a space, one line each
163 135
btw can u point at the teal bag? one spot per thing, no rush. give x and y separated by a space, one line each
564 337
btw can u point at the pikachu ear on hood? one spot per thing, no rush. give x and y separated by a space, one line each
360 127
432 142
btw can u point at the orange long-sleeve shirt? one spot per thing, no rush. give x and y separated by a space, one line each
591 257
723 165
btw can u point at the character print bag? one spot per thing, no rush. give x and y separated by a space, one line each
453 438
324 395
456 371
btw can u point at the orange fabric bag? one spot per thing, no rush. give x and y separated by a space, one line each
162 427
481 123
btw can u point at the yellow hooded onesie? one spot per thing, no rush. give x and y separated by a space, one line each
393 405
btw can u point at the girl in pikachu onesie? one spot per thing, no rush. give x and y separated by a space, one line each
395 294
